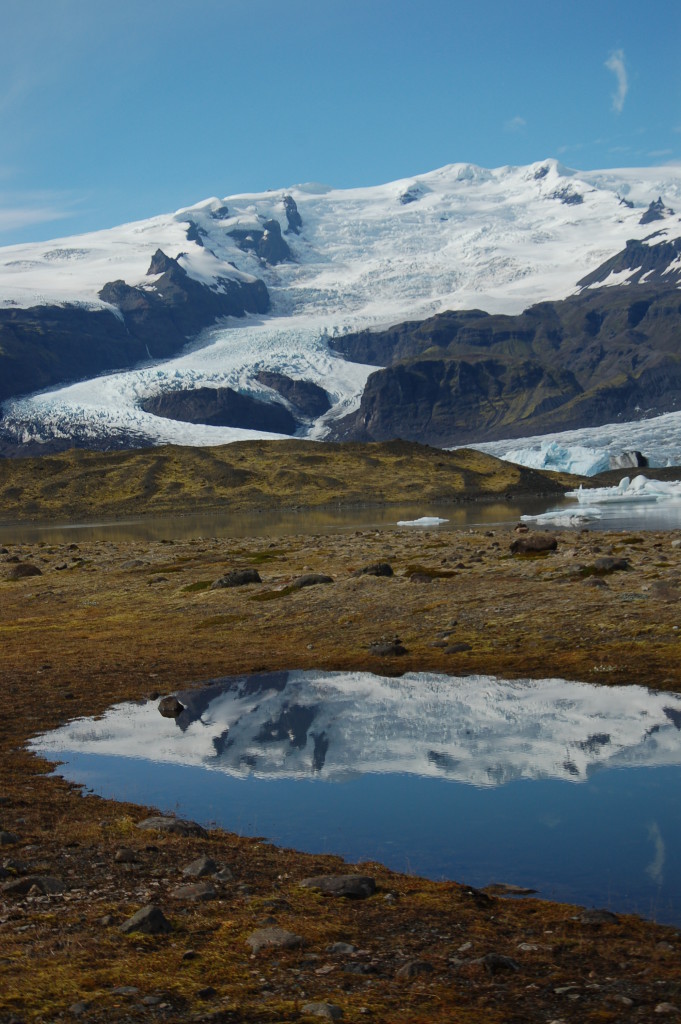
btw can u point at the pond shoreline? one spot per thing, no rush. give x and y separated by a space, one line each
108 622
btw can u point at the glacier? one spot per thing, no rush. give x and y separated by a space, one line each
456 238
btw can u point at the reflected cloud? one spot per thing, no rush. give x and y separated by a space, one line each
476 729
655 870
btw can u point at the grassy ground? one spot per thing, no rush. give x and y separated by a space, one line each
106 622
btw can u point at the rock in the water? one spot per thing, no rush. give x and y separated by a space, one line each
311 579
533 544
238 578
176 826
200 867
195 892
377 569
150 920
170 707
274 938
327 1010
357 887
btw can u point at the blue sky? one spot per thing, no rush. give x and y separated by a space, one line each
115 111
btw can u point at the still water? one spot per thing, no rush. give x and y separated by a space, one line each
571 789
645 515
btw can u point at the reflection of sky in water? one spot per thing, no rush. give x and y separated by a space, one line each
569 788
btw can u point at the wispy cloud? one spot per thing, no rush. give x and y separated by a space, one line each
515 124
615 63
28 209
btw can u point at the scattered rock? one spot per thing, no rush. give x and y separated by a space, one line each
385 648
598 917
124 855
195 892
496 962
237 578
311 579
505 889
533 544
327 1010
608 563
207 993
175 826
377 569
150 920
341 948
413 969
200 867
125 990
8 838
458 648
23 570
667 1008
46 884
274 938
170 707
79 1008
357 887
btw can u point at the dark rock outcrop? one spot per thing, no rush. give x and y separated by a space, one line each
308 399
237 578
295 221
170 707
458 377
47 345
268 243
656 211
627 460
222 407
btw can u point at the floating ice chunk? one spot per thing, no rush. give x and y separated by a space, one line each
563 517
638 489
423 521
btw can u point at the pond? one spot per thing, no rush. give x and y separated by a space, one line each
567 788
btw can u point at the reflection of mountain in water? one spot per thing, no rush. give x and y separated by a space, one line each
333 724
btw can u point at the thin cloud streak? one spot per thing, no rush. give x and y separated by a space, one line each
615 63
515 124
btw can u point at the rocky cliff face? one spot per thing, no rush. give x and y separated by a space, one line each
604 354
46 345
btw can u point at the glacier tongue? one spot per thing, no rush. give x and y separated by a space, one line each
455 238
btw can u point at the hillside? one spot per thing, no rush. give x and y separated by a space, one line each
251 476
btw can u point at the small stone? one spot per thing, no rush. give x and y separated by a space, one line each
413 969
533 544
341 948
327 1010
176 826
189 954
667 1008
377 569
23 570
238 578
598 917
125 990
458 648
106 921
196 892
8 838
124 855
357 887
200 867
311 579
274 938
387 648
170 707
150 1000
150 920
77 1009
207 993
224 875
496 962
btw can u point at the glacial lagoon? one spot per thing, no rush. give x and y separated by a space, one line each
571 789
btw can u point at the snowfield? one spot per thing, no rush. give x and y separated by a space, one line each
455 238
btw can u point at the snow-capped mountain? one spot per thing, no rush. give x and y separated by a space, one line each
281 274
475 729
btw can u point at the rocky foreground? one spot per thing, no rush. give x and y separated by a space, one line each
106 915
